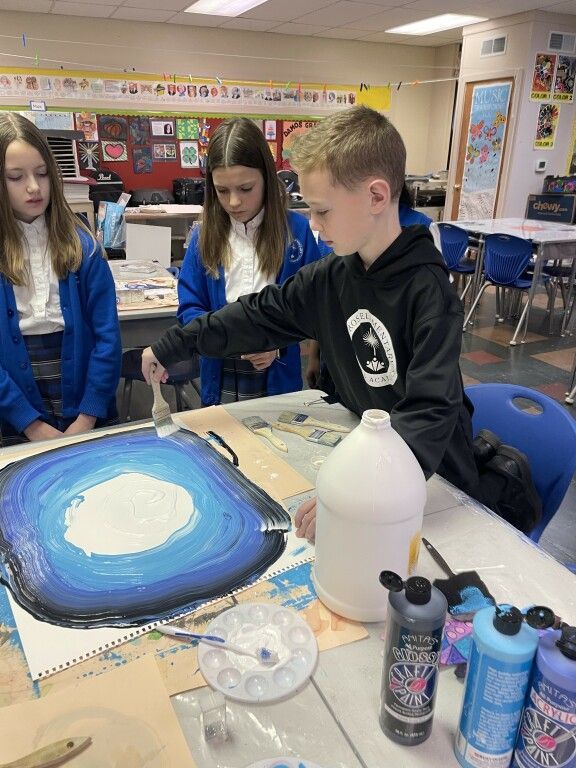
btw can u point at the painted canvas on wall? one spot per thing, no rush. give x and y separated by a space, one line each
485 140
126 530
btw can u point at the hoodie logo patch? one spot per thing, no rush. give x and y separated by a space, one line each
373 348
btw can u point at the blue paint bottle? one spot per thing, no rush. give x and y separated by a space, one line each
502 653
547 734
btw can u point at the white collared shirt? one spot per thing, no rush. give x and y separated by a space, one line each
244 275
38 302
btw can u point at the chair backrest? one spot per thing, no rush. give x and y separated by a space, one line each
548 438
505 258
454 242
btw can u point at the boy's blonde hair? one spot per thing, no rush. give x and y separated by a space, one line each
62 223
353 145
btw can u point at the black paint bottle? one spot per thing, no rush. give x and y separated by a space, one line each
414 626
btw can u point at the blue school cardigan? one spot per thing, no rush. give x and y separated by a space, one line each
91 346
199 293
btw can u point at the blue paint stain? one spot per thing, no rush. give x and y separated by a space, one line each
236 534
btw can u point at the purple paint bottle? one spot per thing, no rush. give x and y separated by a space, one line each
547 735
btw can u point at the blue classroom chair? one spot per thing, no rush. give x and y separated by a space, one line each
455 243
548 438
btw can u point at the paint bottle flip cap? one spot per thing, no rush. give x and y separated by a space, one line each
507 620
417 589
567 642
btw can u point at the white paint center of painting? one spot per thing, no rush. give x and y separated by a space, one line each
130 513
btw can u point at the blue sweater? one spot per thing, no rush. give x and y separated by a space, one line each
199 293
91 347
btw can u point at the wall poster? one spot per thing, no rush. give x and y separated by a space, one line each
548 115
485 139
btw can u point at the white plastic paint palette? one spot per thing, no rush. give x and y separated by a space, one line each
253 626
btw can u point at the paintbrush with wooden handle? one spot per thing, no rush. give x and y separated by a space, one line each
261 427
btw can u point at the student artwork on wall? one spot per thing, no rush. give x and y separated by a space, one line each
543 76
139 130
290 131
485 139
87 123
113 128
164 152
571 159
564 79
189 157
114 151
125 530
187 129
160 128
89 155
142 159
546 125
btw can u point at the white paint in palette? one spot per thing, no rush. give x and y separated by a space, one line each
135 513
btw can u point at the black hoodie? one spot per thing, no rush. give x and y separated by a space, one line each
390 336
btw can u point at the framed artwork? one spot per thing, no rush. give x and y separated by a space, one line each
114 151
113 128
142 159
161 127
189 154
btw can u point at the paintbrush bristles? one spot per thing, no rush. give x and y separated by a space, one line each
161 413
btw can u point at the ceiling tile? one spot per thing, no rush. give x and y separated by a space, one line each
250 25
141 14
167 5
299 29
342 33
280 10
564 7
79 9
437 7
339 14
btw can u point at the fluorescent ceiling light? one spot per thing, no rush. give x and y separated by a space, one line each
436 24
223 7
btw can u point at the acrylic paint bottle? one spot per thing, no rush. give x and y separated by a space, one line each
414 625
547 735
499 666
371 493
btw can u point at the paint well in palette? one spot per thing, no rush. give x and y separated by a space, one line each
128 528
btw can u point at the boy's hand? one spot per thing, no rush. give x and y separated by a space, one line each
261 360
82 423
305 520
40 430
151 368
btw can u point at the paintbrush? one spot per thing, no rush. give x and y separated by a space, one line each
263 655
465 592
312 434
163 422
260 427
302 419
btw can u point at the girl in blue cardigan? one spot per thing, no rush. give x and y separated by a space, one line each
247 240
60 347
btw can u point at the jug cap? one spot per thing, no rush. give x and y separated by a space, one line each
540 617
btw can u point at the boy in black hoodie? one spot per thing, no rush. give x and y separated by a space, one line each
381 305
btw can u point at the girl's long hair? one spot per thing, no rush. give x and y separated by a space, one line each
238 141
63 240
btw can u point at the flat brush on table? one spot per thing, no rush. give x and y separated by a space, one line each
312 434
263 655
303 420
261 427
163 421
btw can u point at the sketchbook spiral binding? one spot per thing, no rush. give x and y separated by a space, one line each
143 630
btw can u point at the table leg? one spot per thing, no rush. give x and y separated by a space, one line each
538 264
569 300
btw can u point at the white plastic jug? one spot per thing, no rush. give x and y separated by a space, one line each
371 494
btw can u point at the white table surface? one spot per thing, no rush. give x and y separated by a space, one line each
529 229
333 721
